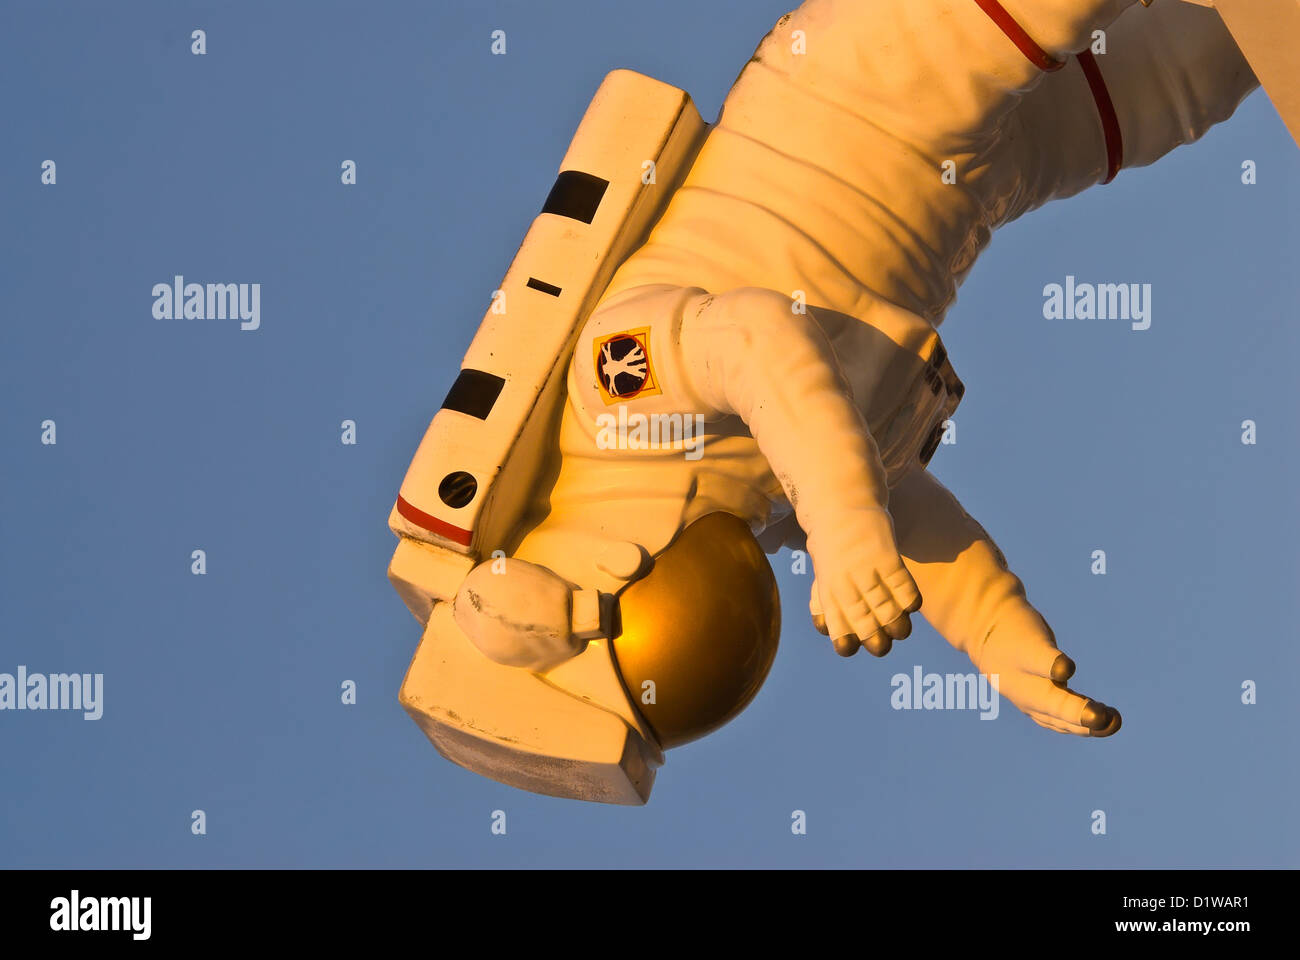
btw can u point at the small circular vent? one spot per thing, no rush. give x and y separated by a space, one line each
457 489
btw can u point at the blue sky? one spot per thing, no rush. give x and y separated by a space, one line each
221 692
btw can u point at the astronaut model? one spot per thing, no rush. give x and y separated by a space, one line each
765 291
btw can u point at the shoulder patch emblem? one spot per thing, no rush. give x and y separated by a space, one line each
624 369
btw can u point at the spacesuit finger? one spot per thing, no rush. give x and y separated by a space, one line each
1101 719
1022 642
861 615
1114 722
815 610
1051 723
1037 695
878 644
847 645
885 608
836 622
903 586
1062 669
900 628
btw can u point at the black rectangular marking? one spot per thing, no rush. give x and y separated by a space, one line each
474 393
576 195
543 286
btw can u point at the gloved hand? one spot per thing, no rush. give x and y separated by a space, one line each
979 607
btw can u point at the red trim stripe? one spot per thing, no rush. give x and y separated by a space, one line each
1007 24
1106 109
1096 82
431 523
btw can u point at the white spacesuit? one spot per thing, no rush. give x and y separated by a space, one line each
789 296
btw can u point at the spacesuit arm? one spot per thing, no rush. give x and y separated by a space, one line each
979 606
747 353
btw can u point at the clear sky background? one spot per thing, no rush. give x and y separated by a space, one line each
222 692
